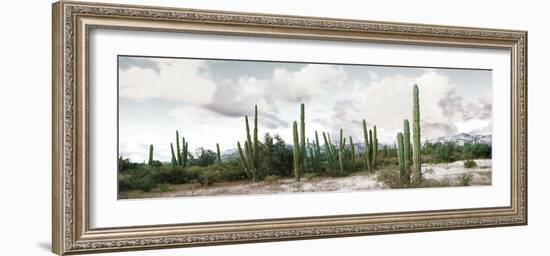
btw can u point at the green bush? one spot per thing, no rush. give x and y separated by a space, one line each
171 175
207 178
136 179
272 179
309 176
232 175
465 180
164 188
469 164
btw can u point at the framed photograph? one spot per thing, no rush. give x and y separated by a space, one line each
179 127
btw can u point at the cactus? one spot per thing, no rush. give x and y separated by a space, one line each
367 147
150 155
328 152
407 150
416 135
218 155
312 156
341 160
332 148
184 152
341 148
296 151
303 153
375 147
256 144
244 160
317 152
352 152
174 161
251 147
178 156
401 158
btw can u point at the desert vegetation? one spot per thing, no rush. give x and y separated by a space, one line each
270 165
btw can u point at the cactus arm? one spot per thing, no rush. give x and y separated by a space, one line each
184 153
367 146
328 152
174 161
244 162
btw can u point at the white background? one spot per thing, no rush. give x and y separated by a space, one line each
25 147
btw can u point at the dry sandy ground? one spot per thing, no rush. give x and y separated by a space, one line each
481 174
450 172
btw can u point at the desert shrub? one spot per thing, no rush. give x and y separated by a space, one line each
171 175
335 172
391 178
125 164
465 180
309 176
204 157
164 187
156 163
469 164
136 179
477 150
272 178
232 175
207 178
228 171
194 171
432 183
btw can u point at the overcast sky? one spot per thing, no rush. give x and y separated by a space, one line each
206 100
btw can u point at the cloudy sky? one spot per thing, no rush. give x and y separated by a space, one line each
206 100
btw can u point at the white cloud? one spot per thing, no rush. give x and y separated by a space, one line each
185 81
388 101
307 82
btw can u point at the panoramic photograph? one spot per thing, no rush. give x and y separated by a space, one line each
211 127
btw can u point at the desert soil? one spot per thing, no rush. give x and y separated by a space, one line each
451 172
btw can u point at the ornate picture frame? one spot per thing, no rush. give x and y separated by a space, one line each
72 23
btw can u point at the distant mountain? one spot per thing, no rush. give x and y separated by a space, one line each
463 138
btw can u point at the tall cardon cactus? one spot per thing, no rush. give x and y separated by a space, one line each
251 147
416 135
296 151
150 155
179 156
341 148
174 161
367 153
401 158
407 150
317 152
352 153
218 155
374 146
303 153
328 152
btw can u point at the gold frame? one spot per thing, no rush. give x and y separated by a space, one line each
72 22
